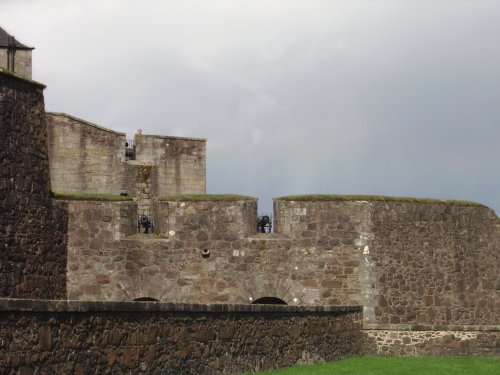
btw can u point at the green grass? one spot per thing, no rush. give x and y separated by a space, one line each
338 197
207 197
91 197
399 366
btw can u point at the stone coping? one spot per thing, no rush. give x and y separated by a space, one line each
84 122
193 198
31 305
374 198
429 327
14 75
170 137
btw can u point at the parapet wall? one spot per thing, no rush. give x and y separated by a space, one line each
84 157
32 226
180 163
149 338
372 253
87 158
426 262
108 260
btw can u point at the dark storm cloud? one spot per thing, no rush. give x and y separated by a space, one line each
374 97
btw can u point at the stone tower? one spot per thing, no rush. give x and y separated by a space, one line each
14 55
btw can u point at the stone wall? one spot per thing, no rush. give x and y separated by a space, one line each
22 62
157 338
407 340
180 163
190 257
327 253
32 226
407 262
3 58
203 251
84 157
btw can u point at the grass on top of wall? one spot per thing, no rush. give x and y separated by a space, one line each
91 197
339 197
398 365
207 197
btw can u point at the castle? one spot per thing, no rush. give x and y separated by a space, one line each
73 195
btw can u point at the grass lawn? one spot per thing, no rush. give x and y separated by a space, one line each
400 366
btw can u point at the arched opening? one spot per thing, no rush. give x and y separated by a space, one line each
145 299
268 301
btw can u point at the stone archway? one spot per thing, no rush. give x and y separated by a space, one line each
269 301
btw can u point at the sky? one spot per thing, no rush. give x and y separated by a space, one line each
398 98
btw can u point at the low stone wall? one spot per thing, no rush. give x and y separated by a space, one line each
160 338
407 340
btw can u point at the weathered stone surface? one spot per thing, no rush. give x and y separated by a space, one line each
154 338
84 157
369 253
405 262
454 341
32 226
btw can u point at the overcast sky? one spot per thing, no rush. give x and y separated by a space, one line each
347 97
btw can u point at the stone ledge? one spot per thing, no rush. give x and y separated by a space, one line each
11 304
84 122
170 137
423 327
11 74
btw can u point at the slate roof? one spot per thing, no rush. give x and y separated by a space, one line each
4 41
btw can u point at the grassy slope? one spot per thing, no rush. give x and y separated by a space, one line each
338 197
397 366
206 197
90 197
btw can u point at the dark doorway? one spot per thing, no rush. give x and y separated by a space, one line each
268 301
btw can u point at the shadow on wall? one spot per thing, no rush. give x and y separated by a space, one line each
269 301
145 299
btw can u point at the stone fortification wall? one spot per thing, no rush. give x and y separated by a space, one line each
170 265
32 225
325 252
417 340
416 262
206 220
203 251
22 62
154 338
84 157
180 163
426 272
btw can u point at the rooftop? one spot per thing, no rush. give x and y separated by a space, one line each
4 41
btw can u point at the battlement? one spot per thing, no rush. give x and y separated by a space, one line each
86 158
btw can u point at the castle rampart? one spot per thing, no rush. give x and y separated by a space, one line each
84 157
33 227
90 159
384 246
180 163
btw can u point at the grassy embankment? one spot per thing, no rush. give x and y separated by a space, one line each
399 366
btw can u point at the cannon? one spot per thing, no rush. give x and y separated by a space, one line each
264 224
146 223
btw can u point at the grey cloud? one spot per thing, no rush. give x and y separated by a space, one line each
374 97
